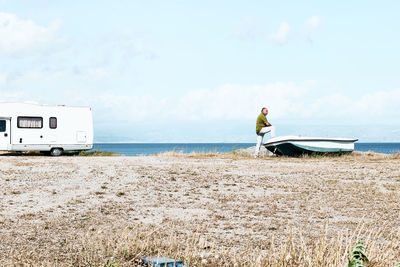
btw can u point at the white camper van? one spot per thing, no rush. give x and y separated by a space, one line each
54 129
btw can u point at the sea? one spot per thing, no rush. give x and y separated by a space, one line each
134 149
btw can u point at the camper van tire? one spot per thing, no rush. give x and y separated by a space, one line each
55 152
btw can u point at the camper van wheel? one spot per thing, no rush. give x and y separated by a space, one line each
56 152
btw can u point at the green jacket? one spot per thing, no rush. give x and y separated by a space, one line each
261 122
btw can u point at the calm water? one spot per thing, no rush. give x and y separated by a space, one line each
154 148
387 148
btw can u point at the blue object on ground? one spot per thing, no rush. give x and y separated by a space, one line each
162 262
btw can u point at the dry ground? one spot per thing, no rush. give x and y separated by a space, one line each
207 210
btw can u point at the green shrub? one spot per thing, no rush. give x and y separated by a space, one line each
357 256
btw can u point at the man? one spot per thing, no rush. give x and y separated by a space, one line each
263 127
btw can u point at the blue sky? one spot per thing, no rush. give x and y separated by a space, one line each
180 71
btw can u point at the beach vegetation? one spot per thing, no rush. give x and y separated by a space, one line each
122 246
96 153
357 256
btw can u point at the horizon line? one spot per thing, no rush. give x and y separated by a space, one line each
156 142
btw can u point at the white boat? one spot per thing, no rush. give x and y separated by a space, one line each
293 146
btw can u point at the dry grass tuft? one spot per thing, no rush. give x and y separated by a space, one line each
181 154
97 154
396 155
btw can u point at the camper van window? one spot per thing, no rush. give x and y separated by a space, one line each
30 122
53 122
2 126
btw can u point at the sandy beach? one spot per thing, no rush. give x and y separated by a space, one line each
207 210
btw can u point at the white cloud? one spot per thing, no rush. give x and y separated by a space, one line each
84 65
287 101
250 29
22 35
130 108
291 104
242 102
281 36
285 34
310 26
313 22
377 107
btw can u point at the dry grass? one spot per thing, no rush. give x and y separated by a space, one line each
82 153
201 155
206 210
174 153
121 245
369 155
97 154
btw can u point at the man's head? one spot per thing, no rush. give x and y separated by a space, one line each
264 111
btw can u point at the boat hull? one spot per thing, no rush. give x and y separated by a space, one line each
298 146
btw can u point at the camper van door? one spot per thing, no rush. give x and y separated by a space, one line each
4 134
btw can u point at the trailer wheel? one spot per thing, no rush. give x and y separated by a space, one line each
55 152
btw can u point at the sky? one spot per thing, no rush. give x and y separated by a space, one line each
200 71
